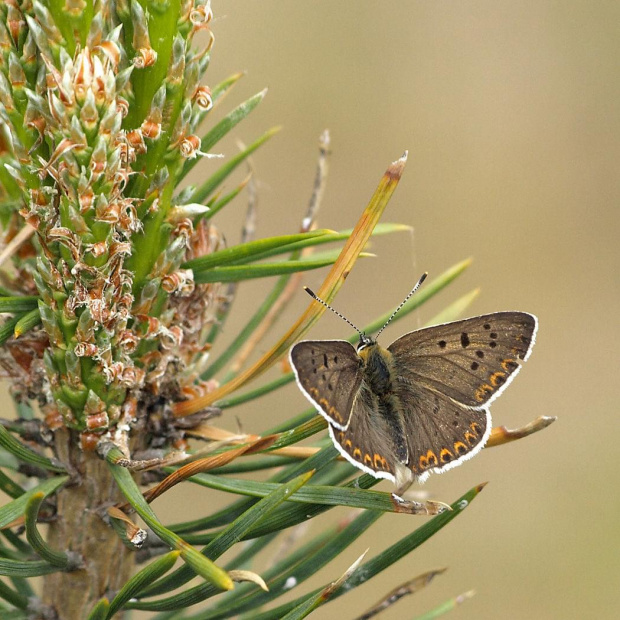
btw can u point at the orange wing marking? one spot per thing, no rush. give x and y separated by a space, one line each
445 456
481 392
430 460
460 447
497 378
380 462
329 409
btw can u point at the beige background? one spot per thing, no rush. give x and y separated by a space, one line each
510 114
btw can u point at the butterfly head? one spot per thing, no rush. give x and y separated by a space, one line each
365 342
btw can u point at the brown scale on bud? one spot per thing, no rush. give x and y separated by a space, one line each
97 421
80 294
171 337
126 152
81 266
128 341
202 98
86 349
113 371
89 115
15 24
120 248
151 129
63 147
124 299
145 57
201 15
70 307
190 147
97 249
121 177
98 162
31 218
108 212
110 49
130 408
83 77
181 282
37 123
156 374
151 329
52 417
89 441
61 233
86 199
184 228
99 310
122 105
133 377
135 139
129 221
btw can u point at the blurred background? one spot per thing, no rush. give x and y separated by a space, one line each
510 114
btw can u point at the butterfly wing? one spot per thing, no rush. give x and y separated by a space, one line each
470 361
367 441
439 432
329 373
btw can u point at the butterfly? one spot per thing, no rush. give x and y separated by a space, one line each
421 405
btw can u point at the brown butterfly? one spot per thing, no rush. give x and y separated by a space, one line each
421 406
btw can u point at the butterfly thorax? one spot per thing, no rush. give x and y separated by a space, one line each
378 368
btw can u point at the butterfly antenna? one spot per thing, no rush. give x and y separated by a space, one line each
413 290
344 318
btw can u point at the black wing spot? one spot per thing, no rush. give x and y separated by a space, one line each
480 354
325 359
486 326
330 387
493 335
442 344
492 344
465 340
474 365
324 377
335 359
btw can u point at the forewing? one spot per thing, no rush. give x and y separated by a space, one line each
471 361
329 373
439 432
366 442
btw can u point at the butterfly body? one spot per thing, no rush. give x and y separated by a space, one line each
421 404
